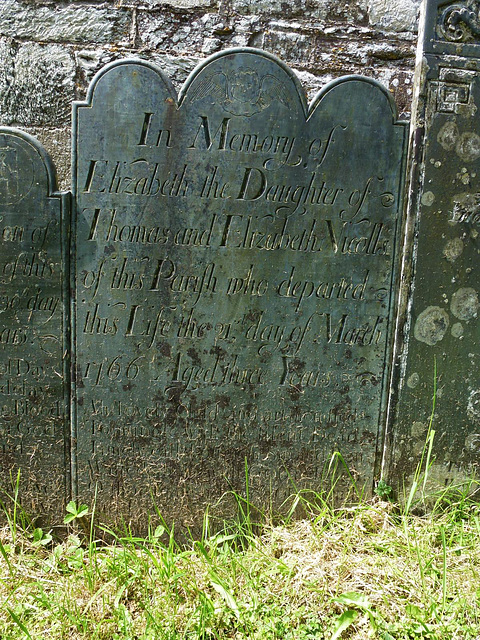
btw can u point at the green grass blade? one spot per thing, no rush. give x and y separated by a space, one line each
7 559
344 621
19 623
227 596
444 569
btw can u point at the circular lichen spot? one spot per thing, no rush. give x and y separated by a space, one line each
418 429
413 380
431 325
448 135
453 249
468 146
457 330
464 305
428 198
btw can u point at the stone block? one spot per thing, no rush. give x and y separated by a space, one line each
394 15
37 83
272 7
64 23
58 144
335 51
187 34
175 4
307 10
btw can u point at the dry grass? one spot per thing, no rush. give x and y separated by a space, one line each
361 572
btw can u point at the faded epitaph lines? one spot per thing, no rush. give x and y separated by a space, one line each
235 263
34 388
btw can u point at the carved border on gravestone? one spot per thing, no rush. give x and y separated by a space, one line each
450 27
76 381
460 22
43 404
454 91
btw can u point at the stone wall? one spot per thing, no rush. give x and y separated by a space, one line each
50 49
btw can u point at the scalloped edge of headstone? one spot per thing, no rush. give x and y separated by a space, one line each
356 78
248 50
179 98
120 63
308 108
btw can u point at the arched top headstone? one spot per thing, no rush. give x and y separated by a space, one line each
26 170
34 349
235 261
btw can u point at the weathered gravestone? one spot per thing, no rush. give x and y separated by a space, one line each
442 308
235 263
34 390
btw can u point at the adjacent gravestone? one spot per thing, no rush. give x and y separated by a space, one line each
235 269
34 405
442 331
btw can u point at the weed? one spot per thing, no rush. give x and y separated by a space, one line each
75 513
384 490
358 570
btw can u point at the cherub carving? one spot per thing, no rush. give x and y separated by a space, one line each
242 93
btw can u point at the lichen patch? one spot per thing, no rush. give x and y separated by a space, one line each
431 325
464 304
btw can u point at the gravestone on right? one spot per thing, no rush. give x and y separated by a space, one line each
441 337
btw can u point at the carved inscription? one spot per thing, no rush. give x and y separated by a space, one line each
33 387
235 259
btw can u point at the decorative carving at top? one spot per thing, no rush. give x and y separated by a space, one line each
243 93
460 22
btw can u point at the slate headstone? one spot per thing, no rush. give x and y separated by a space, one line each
235 270
34 364
439 369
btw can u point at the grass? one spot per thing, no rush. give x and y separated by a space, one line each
368 570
